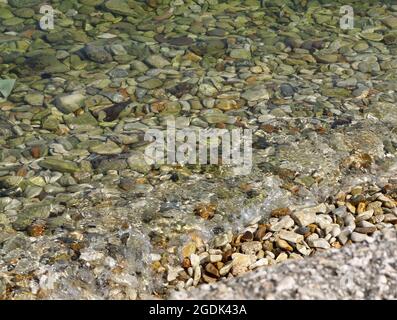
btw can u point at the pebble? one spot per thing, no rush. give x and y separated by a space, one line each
319 243
285 223
290 236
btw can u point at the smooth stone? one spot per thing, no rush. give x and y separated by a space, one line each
137 162
319 243
285 223
97 54
256 93
306 216
151 84
59 165
290 236
23 3
287 90
240 54
391 22
34 99
157 61
107 148
358 237
69 103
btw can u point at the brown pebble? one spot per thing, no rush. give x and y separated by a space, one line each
260 233
336 245
284 245
205 211
365 229
227 255
35 152
280 212
361 207
212 270
36 230
22 172
268 128
186 263
247 236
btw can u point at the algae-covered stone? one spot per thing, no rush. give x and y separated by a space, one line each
137 162
119 7
256 93
97 54
44 62
34 99
59 165
69 103
23 3
240 54
106 148
30 213
157 61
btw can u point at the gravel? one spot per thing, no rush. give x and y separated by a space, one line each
358 271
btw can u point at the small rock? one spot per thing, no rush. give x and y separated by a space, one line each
284 245
290 236
157 61
251 247
358 237
211 269
285 223
241 263
256 93
97 54
69 103
319 243
107 148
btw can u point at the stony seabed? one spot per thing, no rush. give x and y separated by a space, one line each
82 216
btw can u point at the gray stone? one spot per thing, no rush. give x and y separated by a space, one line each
256 93
97 54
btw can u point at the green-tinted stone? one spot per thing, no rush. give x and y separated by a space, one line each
23 3
151 84
12 21
59 165
24 13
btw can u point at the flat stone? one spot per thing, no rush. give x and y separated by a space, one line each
157 61
59 165
34 99
23 3
97 54
358 237
151 84
69 103
241 263
251 247
256 93
137 162
290 236
285 223
120 7
319 243
391 22
107 148
240 54
284 245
